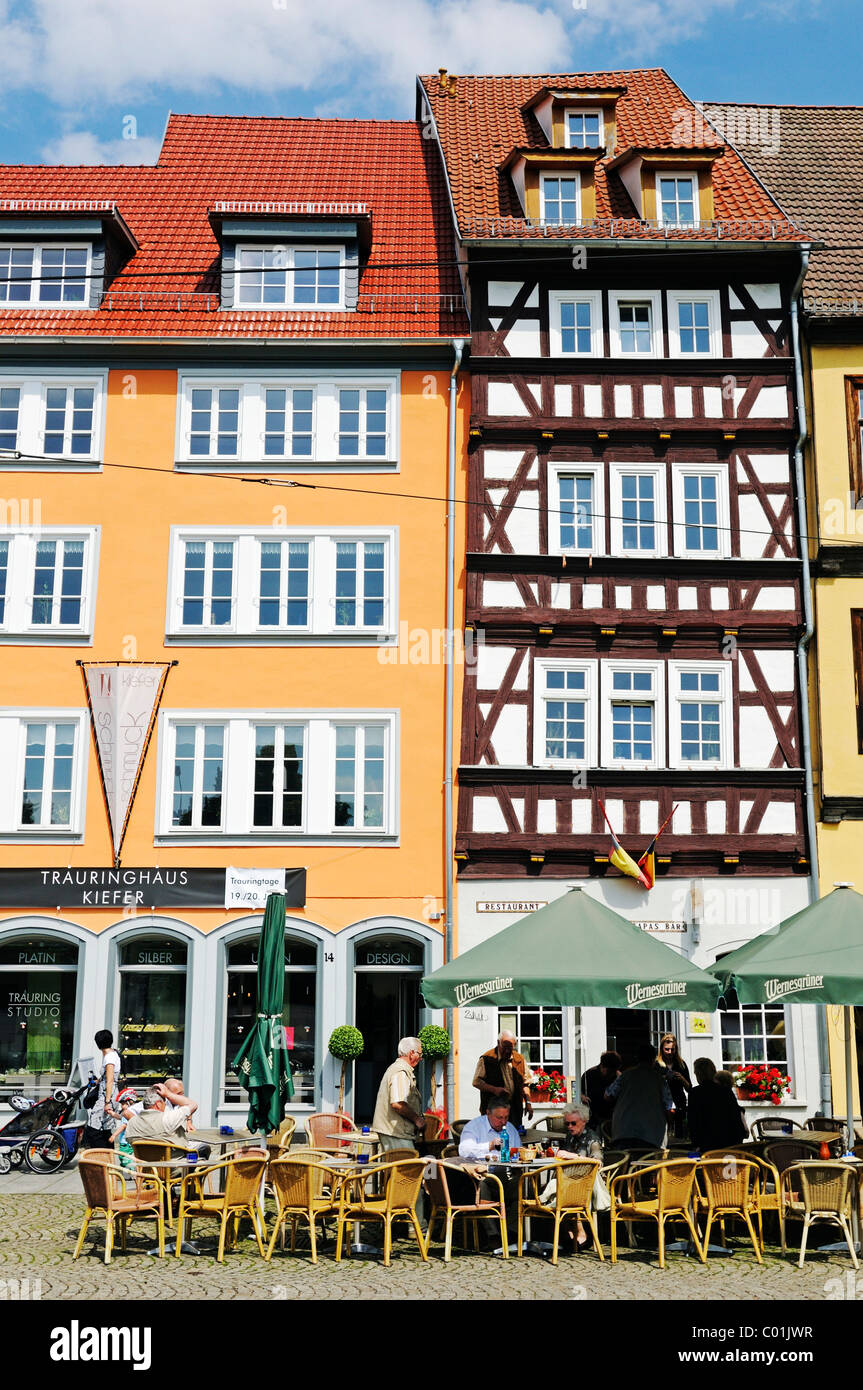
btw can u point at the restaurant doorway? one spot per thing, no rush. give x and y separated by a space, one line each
627 1029
387 978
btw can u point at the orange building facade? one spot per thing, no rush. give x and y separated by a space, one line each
225 430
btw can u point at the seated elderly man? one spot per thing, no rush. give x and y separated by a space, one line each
481 1141
481 1138
159 1120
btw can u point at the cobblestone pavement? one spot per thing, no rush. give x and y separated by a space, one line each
38 1234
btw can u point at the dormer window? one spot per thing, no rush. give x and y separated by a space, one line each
677 199
583 130
560 203
292 277
45 275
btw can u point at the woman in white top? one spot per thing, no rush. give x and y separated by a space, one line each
100 1126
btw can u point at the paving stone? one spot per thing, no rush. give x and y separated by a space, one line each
38 1234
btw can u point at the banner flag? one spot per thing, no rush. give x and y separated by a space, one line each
123 697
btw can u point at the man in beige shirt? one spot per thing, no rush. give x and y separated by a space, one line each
398 1118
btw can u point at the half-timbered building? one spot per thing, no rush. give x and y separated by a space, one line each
633 572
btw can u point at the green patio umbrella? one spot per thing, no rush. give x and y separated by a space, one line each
814 957
262 1064
575 951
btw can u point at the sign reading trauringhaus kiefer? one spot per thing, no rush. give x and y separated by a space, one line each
149 887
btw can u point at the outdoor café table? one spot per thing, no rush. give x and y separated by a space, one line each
353 1138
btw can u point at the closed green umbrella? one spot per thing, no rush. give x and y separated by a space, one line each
262 1062
815 957
575 951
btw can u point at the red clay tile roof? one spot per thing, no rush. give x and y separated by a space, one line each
811 159
484 121
170 287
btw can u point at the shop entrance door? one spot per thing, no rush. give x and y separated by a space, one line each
387 1009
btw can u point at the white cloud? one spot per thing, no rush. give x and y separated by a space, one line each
97 51
84 147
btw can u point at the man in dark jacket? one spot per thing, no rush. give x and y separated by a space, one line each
714 1115
503 1072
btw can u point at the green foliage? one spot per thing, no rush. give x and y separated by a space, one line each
346 1043
435 1042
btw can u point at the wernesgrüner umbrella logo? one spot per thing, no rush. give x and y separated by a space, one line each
777 989
465 993
637 994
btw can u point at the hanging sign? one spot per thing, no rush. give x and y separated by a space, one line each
123 699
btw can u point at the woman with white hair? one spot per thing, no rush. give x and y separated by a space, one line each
579 1139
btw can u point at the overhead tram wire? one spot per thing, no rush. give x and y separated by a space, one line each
184 471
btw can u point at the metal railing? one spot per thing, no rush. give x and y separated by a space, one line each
720 229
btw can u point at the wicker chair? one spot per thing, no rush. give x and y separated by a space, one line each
769 1195
731 1187
772 1127
825 1194
825 1123
319 1128
279 1141
161 1151
437 1189
398 1201
787 1151
398 1155
304 1191
574 1183
243 1173
674 1181
434 1127
106 1190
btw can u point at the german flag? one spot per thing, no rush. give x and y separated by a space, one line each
621 860
647 862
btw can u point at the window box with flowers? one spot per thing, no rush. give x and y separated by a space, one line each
548 1087
762 1083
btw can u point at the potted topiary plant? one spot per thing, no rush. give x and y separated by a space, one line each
436 1045
346 1043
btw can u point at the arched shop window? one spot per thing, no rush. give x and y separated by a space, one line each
298 1016
152 1030
38 986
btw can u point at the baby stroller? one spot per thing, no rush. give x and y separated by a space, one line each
42 1133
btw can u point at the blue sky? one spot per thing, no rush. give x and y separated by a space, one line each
93 81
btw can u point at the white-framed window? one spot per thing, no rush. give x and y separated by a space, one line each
259 775
198 782
565 713
360 792
539 1034
700 510
292 277
633 732
208 584
700 715
583 129
754 1034
276 585
677 199
278 800
636 323
48 584
304 420
575 323
694 323
560 199
576 522
52 417
45 275
638 509
43 752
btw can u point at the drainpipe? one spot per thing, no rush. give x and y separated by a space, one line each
449 677
803 654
